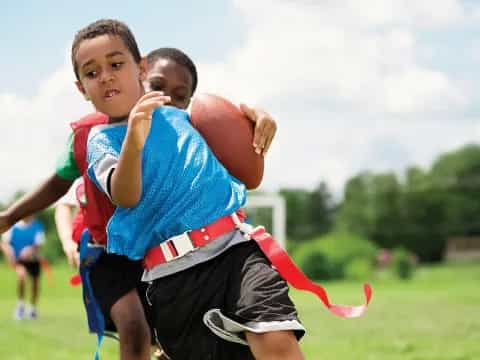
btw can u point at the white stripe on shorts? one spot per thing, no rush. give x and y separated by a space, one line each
233 331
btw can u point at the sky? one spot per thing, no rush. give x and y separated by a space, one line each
353 85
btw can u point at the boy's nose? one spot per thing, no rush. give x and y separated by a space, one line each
106 76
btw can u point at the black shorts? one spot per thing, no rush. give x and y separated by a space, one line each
241 284
33 267
112 277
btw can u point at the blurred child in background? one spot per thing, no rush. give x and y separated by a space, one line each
20 245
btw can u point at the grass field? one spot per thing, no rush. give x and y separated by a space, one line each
436 316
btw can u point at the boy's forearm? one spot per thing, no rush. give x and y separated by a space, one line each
63 220
126 181
43 196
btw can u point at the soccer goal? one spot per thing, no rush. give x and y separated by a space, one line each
269 210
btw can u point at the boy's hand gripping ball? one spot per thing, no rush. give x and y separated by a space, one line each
230 136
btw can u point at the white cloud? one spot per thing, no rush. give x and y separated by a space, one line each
357 14
417 90
338 76
293 49
34 130
345 81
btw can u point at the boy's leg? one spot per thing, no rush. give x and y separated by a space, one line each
114 280
129 319
32 309
21 273
21 276
274 345
33 270
258 308
35 290
242 284
178 303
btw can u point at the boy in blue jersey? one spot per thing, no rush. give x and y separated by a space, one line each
113 278
165 181
20 245
180 85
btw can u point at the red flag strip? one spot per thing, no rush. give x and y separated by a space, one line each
75 280
295 277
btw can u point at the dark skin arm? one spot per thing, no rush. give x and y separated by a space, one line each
52 189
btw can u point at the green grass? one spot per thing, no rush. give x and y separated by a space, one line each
435 316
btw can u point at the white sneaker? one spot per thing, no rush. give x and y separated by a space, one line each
19 312
31 313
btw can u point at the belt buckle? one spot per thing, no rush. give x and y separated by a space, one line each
183 243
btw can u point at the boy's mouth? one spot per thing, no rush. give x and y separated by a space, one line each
111 93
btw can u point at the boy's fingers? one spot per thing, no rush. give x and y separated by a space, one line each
258 136
248 112
151 104
70 259
265 128
147 98
159 95
76 259
144 115
268 142
151 94
264 134
260 148
155 100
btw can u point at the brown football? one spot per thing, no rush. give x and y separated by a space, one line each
230 136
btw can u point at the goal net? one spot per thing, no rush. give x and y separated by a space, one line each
268 210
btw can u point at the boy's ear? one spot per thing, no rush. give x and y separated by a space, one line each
82 90
143 68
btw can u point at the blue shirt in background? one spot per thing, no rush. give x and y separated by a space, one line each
23 234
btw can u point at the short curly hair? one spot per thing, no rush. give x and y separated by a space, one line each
179 57
105 27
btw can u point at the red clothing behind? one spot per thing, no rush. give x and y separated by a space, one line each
96 210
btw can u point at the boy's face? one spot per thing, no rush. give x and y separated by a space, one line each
173 79
109 76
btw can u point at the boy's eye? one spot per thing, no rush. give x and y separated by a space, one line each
156 86
180 98
90 74
117 65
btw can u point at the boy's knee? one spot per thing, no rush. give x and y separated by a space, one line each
21 275
136 326
135 335
132 328
275 345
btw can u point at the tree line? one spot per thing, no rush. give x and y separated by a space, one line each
418 210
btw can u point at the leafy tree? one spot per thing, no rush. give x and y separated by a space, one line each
356 213
321 210
457 176
387 212
309 213
298 217
424 216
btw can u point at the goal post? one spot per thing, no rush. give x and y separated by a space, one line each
277 205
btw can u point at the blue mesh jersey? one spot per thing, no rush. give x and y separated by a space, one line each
184 186
22 235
